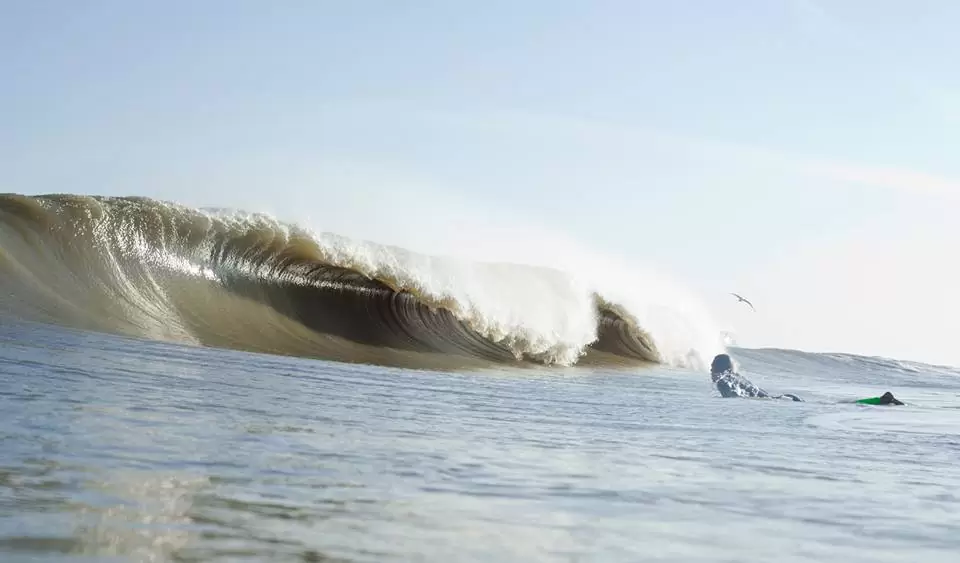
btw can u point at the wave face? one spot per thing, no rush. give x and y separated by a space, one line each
151 269
842 368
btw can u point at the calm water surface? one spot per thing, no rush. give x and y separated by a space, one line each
122 450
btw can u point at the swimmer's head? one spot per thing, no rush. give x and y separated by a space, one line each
888 399
723 363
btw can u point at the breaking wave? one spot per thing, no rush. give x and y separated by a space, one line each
151 269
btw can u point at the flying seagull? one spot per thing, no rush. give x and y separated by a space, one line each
743 299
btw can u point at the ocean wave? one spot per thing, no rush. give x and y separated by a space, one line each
152 269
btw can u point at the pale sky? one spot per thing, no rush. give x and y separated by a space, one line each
803 153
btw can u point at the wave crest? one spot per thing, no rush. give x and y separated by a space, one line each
152 269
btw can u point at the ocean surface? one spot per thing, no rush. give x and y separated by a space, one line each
205 385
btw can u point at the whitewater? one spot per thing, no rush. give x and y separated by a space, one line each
180 384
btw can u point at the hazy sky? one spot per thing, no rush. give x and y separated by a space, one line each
802 153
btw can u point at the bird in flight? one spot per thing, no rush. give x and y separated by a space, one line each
743 299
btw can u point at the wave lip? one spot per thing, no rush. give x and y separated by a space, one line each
152 269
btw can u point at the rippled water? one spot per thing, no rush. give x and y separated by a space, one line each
146 451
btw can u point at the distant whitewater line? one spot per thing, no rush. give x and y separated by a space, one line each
152 269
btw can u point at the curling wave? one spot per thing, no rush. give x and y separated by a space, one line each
146 268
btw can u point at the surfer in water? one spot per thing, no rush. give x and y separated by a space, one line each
730 383
885 399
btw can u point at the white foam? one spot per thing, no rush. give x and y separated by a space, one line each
543 307
542 312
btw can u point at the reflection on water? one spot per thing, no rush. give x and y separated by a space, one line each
145 517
